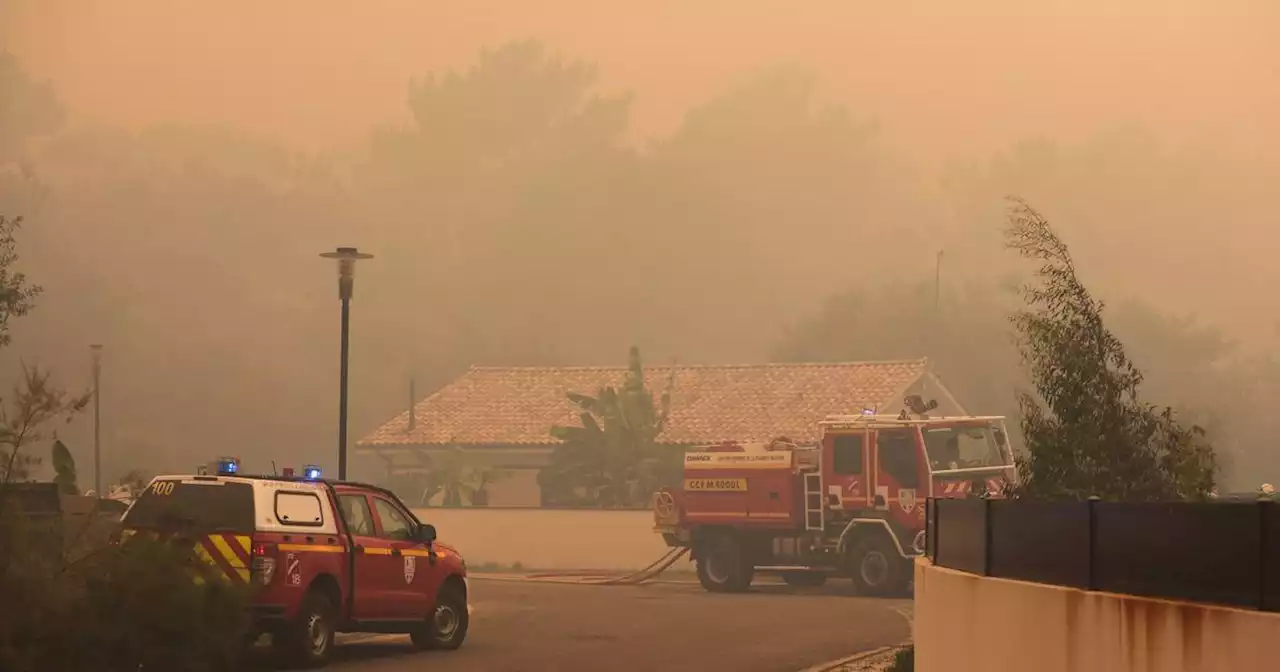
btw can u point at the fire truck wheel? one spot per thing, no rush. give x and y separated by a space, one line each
804 579
308 642
876 567
722 568
446 626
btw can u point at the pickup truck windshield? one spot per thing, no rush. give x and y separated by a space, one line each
202 506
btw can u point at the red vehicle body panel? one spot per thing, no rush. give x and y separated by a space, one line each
741 489
299 560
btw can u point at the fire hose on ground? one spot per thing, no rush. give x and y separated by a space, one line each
635 578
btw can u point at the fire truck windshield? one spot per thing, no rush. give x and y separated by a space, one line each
962 448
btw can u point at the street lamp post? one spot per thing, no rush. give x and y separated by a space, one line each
95 353
347 257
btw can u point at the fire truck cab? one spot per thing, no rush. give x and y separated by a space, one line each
852 505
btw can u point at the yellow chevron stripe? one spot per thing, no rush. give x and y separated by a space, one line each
204 556
247 544
227 552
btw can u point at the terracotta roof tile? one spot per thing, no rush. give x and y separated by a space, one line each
519 405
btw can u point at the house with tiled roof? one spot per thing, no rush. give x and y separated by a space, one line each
503 415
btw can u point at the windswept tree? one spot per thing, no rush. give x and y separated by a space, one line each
17 296
614 459
25 415
1086 429
35 400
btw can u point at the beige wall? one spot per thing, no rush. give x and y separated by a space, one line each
550 539
518 487
965 622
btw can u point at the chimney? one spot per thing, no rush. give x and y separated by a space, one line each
413 397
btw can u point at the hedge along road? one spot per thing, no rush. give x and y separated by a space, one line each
524 626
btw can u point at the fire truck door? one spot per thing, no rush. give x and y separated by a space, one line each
408 573
371 559
847 483
900 475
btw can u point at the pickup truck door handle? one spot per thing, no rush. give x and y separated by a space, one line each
395 551
311 540
359 547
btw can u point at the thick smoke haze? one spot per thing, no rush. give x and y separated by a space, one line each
712 182
942 77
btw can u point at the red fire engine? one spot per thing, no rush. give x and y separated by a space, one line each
851 505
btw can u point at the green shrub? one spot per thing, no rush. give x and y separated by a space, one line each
144 604
904 660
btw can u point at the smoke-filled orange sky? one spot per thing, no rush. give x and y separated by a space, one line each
1160 121
940 76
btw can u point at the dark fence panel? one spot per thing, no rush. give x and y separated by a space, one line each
1223 552
33 498
1200 552
1270 525
931 529
1046 542
961 534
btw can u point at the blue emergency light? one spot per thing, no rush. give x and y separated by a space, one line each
228 466
311 472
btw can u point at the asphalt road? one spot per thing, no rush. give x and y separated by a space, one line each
520 626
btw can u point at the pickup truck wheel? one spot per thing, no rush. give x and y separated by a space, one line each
804 579
308 641
876 567
446 626
722 567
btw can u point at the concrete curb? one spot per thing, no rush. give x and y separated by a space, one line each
832 664
857 657
849 660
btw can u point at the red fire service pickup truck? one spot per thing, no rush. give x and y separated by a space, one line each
852 505
321 556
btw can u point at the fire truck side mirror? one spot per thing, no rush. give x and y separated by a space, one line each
427 533
879 500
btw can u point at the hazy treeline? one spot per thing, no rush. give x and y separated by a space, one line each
514 222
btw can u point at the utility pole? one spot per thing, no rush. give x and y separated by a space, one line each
935 332
95 353
413 399
937 284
